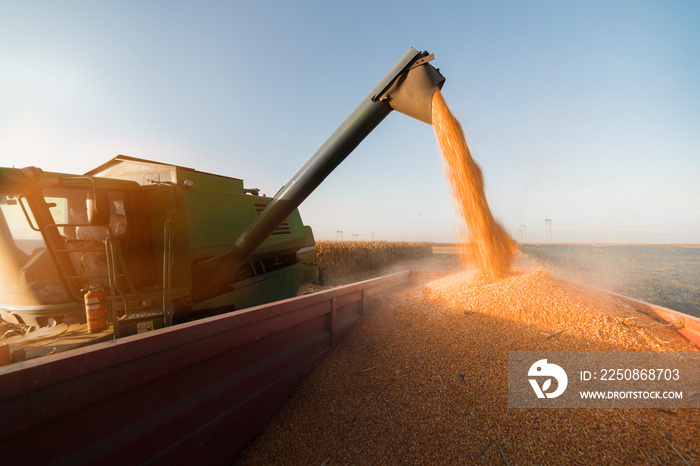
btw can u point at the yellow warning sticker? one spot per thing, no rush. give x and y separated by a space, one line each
143 327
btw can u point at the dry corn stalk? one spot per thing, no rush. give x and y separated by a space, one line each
342 258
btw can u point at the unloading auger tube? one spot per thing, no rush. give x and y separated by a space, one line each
407 88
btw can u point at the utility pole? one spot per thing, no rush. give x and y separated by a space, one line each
523 234
548 230
339 234
354 236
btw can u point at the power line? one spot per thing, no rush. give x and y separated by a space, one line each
631 227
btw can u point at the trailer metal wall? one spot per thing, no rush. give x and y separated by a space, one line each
686 325
194 393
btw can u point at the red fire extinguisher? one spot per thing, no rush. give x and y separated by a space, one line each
96 310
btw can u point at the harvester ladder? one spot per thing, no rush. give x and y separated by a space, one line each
131 298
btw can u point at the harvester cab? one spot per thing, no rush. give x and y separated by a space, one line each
167 242
53 231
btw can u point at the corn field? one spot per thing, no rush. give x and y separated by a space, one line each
342 258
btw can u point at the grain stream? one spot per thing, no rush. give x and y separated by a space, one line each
493 249
422 379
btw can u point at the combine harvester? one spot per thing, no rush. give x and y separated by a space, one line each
178 241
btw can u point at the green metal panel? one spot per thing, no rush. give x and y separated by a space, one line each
274 286
163 200
215 218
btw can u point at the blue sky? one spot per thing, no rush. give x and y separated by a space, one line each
584 112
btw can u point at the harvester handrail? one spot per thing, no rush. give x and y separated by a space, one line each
26 214
167 270
113 255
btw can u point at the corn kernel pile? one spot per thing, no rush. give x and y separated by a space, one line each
422 378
